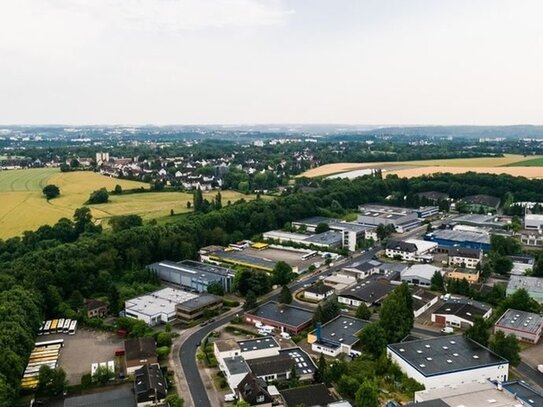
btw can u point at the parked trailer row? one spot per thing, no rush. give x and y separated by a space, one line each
53 326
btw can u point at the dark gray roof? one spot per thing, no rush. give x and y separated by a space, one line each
364 265
250 388
421 298
342 329
319 289
486 200
149 383
235 256
313 395
329 238
203 300
432 403
464 252
445 354
236 365
520 321
433 195
191 267
523 392
140 348
118 397
315 220
368 291
303 362
283 313
468 312
277 364
401 246
267 342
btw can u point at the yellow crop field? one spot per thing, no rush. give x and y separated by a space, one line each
398 166
23 207
528 172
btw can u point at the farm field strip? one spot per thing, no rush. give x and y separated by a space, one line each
528 172
392 166
23 207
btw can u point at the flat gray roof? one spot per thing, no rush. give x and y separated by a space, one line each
202 300
523 392
283 314
445 354
329 238
534 284
302 361
236 365
258 343
520 321
369 291
461 236
342 329
123 397
315 220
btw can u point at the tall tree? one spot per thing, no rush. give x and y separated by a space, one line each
396 314
438 284
250 301
198 200
367 395
479 331
507 347
282 273
51 191
285 297
363 312
374 339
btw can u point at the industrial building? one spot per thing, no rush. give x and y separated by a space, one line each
402 219
423 300
521 264
193 274
165 305
262 357
325 240
286 318
337 336
533 222
411 249
427 211
359 270
420 274
446 238
477 220
471 275
351 232
484 393
448 361
526 326
262 256
533 285
369 292
460 313
464 257
531 238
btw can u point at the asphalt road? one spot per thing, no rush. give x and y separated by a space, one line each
188 349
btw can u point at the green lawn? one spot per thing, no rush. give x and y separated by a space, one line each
536 162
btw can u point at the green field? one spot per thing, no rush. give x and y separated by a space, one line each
23 206
535 162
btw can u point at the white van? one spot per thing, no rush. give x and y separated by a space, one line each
230 397
447 330
285 335
264 331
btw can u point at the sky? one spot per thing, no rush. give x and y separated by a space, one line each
387 62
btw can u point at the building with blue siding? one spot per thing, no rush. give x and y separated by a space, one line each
446 238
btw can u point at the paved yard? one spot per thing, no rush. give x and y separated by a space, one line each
83 349
533 354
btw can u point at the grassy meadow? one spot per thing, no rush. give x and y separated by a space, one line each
23 207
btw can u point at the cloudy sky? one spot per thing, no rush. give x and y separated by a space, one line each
271 61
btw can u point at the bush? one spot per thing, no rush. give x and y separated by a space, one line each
230 303
99 196
163 352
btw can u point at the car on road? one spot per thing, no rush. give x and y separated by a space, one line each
211 320
203 323
306 285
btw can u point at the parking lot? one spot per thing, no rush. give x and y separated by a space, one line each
83 349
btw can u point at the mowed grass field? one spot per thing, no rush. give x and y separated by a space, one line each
23 207
424 167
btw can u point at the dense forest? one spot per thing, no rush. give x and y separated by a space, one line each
45 271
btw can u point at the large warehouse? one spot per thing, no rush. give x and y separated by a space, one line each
402 219
448 361
193 274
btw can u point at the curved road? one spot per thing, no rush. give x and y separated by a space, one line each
188 348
